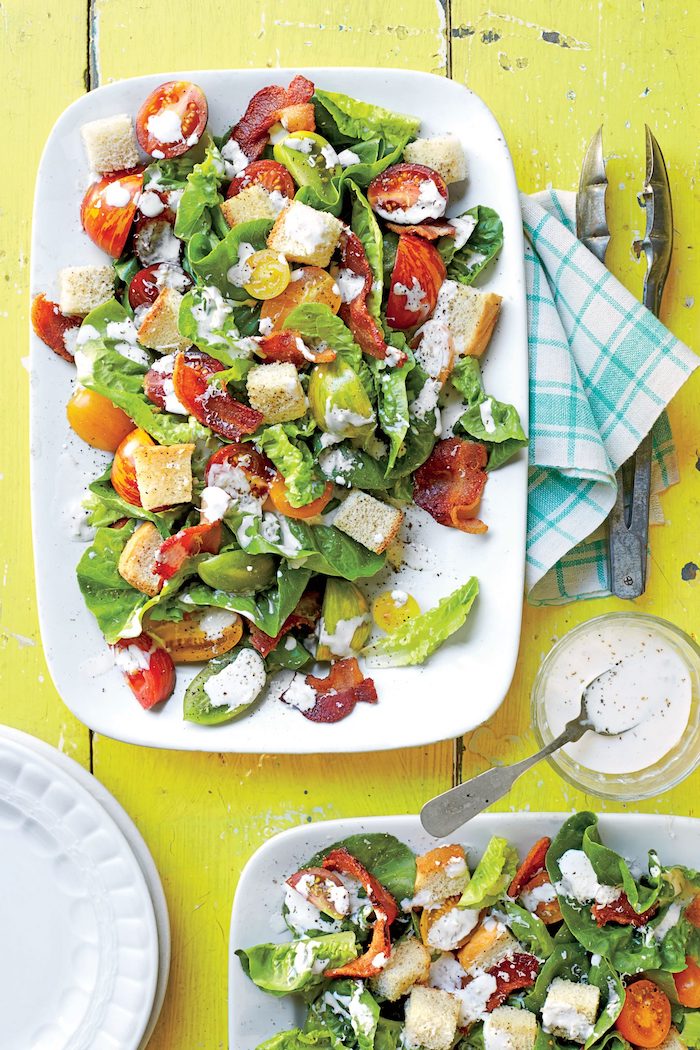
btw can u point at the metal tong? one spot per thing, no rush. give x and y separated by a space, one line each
629 518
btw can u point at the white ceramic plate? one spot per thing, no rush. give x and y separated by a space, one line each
79 956
256 918
137 846
468 678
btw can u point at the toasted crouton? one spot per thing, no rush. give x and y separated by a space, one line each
487 946
305 235
440 873
84 288
253 202
110 144
164 474
673 1041
443 153
470 316
369 521
570 1010
159 325
431 1019
137 560
275 390
448 926
408 964
510 1027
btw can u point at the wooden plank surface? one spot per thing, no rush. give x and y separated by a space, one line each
551 79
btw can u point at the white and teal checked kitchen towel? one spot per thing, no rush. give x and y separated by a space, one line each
602 370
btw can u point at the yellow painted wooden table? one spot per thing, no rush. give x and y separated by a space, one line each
552 72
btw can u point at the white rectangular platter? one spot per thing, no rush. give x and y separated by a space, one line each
464 683
255 1016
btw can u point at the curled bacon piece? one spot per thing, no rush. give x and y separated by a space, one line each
519 971
368 335
622 913
385 907
450 484
51 325
208 403
337 694
369 964
306 614
282 346
430 229
531 866
189 541
265 109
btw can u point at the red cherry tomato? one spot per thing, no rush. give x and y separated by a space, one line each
258 469
51 325
266 173
108 210
415 282
172 119
687 984
189 541
645 1018
208 403
123 475
392 193
147 284
155 682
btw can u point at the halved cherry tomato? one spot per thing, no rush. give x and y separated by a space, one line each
208 403
278 497
416 279
534 862
265 109
687 984
108 211
96 420
258 469
147 284
189 541
645 1018
269 274
123 475
692 912
172 119
548 911
51 325
155 682
395 191
309 284
269 174
324 889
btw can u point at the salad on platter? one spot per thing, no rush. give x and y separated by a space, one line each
570 946
283 357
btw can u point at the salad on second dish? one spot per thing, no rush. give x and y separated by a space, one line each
287 308
572 946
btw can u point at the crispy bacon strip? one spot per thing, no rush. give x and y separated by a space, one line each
337 694
342 860
531 866
520 971
264 110
208 403
430 230
51 325
369 964
450 484
189 541
306 614
622 913
368 335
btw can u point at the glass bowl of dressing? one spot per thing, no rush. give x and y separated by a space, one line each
651 704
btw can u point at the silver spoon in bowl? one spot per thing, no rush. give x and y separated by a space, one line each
446 812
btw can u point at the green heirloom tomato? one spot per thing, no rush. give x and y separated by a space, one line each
313 162
216 695
338 401
238 572
345 623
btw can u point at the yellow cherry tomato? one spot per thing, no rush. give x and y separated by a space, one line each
269 274
96 420
393 609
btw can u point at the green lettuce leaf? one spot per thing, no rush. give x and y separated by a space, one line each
201 193
492 875
392 398
211 264
528 929
612 997
389 1035
568 961
349 1012
391 861
105 506
267 610
357 468
361 120
297 1040
418 638
294 461
486 240
690 1027
317 324
420 437
503 420
297 965
207 318
366 227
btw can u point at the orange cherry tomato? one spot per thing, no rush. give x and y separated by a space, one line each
154 682
415 282
312 285
278 498
96 420
645 1018
108 211
687 984
123 474
172 119
269 174
396 190
51 325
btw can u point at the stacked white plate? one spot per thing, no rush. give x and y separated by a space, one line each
84 932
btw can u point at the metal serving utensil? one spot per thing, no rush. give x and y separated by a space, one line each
446 812
629 518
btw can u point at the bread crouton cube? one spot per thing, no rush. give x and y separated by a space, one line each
442 153
159 325
673 1041
110 144
84 288
431 1018
508 1026
164 474
488 945
369 521
570 1010
305 235
440 873
470 316
276 391
253 202
137 560
408 964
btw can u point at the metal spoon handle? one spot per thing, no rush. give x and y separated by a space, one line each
446 812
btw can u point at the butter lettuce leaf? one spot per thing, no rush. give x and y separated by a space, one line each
362 120
392 398
485 242
365 226
391 861
492 875
298 1040
297 965
207 318
201 193
528 929
211 265
295 462
316 323
492 422
105 506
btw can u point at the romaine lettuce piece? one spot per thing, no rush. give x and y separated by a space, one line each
104 506
492 875
267 610
201 193
492 422
316 323
420 438
298 1040
207 318
485 242
297 965
392 398
349 1012
361 120
366 227
528 929
294 461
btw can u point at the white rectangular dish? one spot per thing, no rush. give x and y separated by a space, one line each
468 677
255 1016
